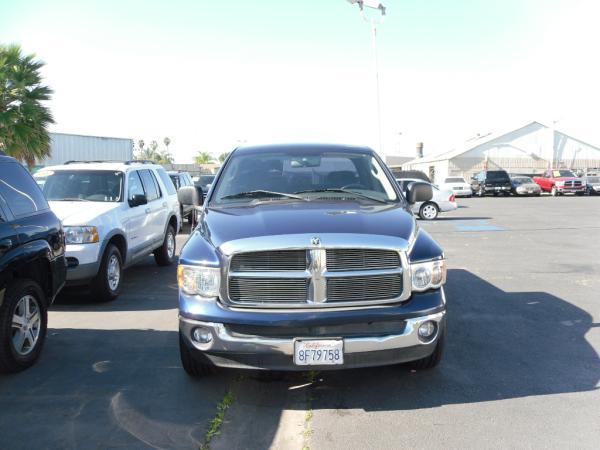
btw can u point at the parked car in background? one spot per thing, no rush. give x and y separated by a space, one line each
205 182
441 201
411 174
561 181
491 182
188 204
457 185
592 183
113 214
522 185
306 258
32 265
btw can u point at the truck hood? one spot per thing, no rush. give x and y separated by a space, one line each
225 224
566 178
81 213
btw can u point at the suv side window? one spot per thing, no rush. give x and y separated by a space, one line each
21 192
135 185
150 185
166 179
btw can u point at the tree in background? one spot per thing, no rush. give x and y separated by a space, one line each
223 157
203 158
152 153
167 142
23 116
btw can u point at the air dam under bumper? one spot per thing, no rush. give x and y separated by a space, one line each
229 348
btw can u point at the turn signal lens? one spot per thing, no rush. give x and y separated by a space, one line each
428 275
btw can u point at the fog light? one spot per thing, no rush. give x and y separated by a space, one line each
427 330
202 335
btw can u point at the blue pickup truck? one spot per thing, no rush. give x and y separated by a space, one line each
307 256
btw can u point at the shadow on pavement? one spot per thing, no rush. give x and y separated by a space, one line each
107 389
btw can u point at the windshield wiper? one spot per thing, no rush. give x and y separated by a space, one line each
262 193
71 199
341 191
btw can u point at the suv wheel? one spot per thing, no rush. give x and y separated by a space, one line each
107 285
23 321
165 254
192 364
434 359
428 211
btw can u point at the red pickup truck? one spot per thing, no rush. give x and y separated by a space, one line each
560 181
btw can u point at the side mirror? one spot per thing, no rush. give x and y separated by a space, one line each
189 195
138 200
418 192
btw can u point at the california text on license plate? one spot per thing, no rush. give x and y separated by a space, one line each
318 352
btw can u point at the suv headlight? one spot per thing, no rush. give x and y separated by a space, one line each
428 275
196 280
81 235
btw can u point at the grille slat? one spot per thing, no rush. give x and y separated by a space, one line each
268 290
370 288
361 259
271 261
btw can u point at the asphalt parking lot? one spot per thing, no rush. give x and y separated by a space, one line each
521 369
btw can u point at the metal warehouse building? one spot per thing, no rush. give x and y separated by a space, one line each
531 148
70 147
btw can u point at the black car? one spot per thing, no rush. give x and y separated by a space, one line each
491 182
188 202
32 265
205 182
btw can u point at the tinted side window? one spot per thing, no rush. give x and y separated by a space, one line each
167 181
135 185
152 192
22 194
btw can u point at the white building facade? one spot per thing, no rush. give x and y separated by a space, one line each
529 149
75 147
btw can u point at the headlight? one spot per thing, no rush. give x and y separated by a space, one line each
81 235
428 275
195 280
560 183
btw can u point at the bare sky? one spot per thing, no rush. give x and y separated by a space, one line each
211 73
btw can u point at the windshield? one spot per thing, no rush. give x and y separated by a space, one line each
306 176
522 180
562 173
497 175
206 179
455 180
81 185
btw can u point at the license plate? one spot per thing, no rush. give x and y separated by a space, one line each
497 188
319 352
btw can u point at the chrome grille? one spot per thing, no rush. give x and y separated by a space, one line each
271 261
268 290
368 288
361 259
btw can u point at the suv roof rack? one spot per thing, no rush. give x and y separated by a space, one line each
140 161
74 161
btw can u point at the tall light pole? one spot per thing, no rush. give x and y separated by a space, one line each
374 20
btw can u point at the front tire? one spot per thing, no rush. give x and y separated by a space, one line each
193 365
23 323
107 285
428 211
165 254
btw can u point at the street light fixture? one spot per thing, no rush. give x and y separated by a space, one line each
373 20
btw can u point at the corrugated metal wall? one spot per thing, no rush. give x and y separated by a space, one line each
69 147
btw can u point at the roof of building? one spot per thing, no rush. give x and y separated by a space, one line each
473 144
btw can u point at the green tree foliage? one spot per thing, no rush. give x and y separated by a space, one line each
203 158
152 153
223 157
24 118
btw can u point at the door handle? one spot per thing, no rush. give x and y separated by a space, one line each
164 204
5 244
147 210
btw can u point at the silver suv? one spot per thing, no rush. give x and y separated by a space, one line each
114 213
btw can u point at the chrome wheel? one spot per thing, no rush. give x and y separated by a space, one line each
113 272
26 325
429 211
170 245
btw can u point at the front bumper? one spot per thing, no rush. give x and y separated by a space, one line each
466 192
497 188
83 262
270 345
564 190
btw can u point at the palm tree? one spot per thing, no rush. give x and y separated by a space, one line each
164 157
167 142
23 116
223 157
203 158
